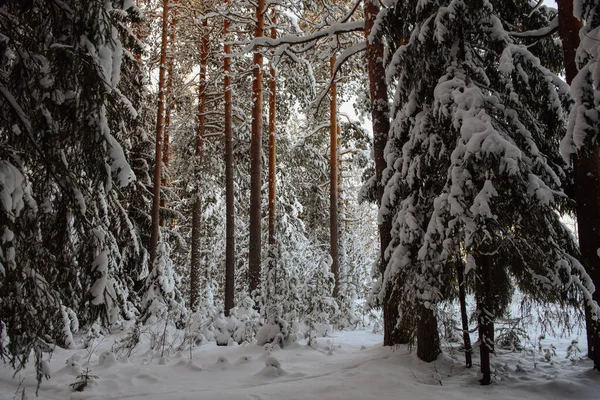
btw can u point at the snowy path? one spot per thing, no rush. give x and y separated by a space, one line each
357 368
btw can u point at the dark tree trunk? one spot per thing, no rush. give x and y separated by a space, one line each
159 133
428 339
229 199
462 298
587 194
196 255
485 311
381 126
587 180
333 184
254 267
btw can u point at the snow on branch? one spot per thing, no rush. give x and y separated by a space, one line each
344 56
294 39
538 33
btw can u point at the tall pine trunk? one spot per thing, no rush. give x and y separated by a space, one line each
587 181
195 263
381 126
254 268
462 298
168 107
229 199
159 133
272 152
333 183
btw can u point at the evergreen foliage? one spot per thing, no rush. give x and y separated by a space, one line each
473 166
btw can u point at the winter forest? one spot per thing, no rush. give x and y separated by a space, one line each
299 199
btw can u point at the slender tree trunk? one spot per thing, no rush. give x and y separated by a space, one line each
168 106
485 313
229 199
255 159
587 181
333 180
381 126
196 260
462 298
272 152
428 339
159 133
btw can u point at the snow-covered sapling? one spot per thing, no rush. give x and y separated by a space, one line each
82 380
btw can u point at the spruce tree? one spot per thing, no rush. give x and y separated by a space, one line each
473 167
581 146
61 165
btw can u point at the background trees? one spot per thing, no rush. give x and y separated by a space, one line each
465 169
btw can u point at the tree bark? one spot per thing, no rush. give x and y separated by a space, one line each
333 183
272 152
159 133
168 106
587 181
229 195
462 298
254 267
381 126
428 339
485 313
196 260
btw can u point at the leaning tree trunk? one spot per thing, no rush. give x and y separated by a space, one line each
334 241
381 125
159 133
195 263
462 298
587 182
229 199
255 159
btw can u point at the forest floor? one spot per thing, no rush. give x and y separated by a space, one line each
346 365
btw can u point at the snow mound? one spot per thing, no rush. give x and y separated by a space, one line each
272 368
222 363
107 359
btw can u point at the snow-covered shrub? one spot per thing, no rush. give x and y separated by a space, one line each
320 305
574 352
162 299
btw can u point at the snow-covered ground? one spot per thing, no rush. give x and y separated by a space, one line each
346 365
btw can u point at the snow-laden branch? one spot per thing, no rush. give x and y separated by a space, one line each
538 33
293 39
343 57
